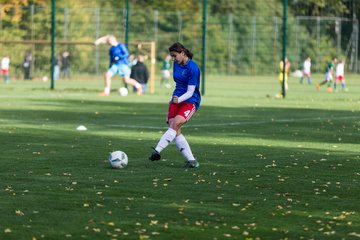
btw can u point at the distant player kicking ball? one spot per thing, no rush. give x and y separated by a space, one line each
118 64
329 71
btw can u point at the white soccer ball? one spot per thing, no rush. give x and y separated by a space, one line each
123 91
118 159
297 73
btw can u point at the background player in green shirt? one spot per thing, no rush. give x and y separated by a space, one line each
329 71
165 71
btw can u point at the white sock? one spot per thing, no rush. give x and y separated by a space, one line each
184 147
166 139
137 85
107 90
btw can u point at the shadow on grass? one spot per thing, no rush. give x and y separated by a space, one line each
291 124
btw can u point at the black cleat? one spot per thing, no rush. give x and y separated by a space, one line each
155 155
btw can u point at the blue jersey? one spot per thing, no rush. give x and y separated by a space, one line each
118 54
186 75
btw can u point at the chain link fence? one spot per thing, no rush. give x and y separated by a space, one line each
238 43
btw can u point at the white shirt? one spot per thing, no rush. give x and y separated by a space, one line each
340 69
5 63
307 66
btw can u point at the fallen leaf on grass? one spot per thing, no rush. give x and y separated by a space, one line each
153 222
355 234
19 213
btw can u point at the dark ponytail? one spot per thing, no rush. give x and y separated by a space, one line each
178 47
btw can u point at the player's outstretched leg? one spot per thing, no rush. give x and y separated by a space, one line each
165 140
318 85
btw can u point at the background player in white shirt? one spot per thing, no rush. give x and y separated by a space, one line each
5 66
306 70
340 69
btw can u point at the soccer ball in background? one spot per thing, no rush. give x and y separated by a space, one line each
123 91
118 159
297 74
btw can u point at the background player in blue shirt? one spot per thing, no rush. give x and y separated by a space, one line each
118 64
184 103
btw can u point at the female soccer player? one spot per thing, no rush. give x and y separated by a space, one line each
118 64
184 103
340 69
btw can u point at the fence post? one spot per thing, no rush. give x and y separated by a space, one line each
152 66
127 24
179 17
66 23
318 63
33 49
338 35
97 35
0 17
356 43
52 42
156 20
203 52
253 54
276 44
230 39
284 48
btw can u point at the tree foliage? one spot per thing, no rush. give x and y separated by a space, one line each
319 7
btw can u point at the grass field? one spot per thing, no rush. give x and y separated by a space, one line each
270 168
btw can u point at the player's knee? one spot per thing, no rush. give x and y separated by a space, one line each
108 75
177 123
127 79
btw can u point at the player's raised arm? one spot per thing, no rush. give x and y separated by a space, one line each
102 40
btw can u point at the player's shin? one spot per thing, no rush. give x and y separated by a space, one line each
166 139
184 147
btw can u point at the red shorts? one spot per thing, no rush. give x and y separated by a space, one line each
4 71
340 78
183 109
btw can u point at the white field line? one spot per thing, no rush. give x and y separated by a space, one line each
290 120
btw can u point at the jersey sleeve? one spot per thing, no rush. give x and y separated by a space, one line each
194 76
124 53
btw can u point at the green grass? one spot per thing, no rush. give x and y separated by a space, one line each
270 168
